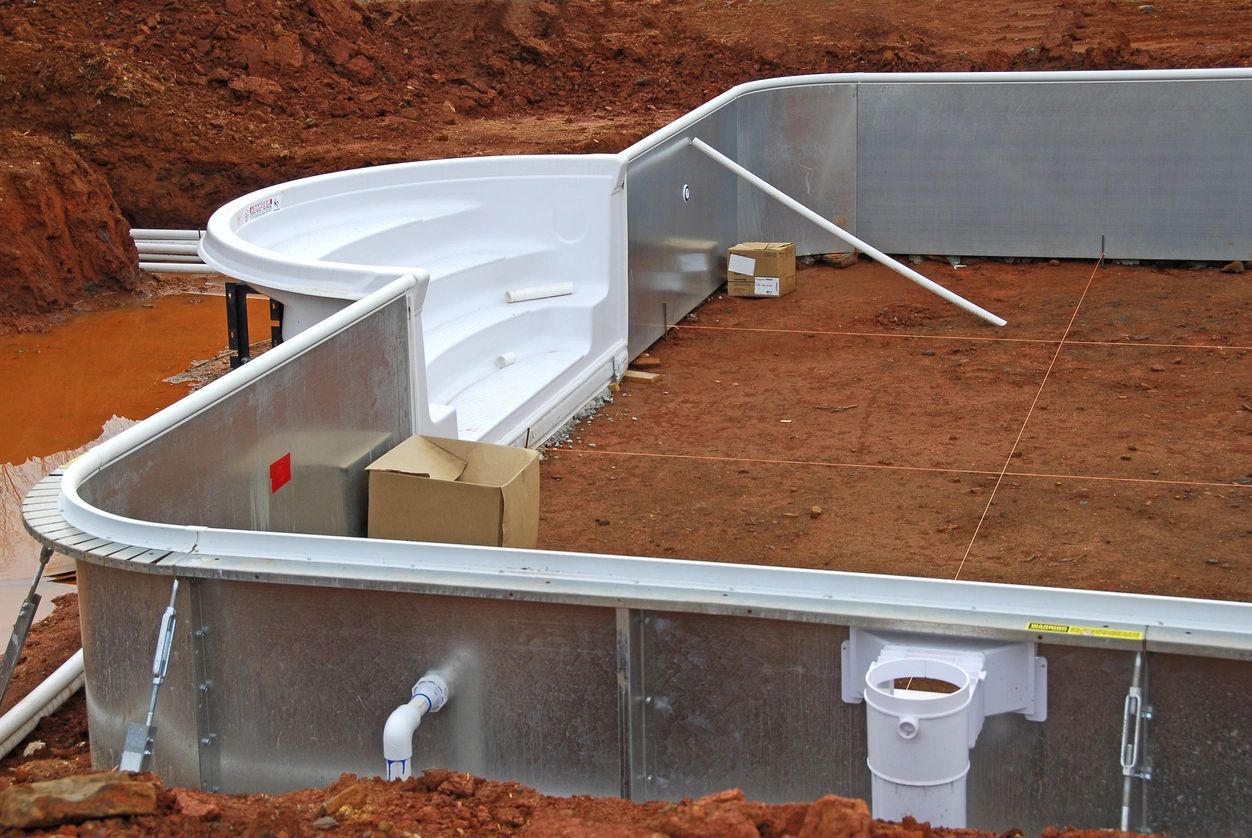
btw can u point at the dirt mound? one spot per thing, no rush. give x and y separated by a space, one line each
186 104
62 235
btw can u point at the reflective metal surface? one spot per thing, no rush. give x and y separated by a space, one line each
577 699
1064 770
680 222
1161 170
803 140
750 704
120 612
332 410
610 674
1199 746
534 687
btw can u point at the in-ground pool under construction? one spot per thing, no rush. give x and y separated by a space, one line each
491 299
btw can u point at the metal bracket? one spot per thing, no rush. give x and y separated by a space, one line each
1016 678
201 673
237 339
1136 713
141 738
21 626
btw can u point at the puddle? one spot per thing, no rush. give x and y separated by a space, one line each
19 553
67 389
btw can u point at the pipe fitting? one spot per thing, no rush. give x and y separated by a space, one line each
428 695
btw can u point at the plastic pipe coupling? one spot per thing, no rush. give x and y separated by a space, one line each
428 695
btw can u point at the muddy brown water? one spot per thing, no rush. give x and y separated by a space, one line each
80 382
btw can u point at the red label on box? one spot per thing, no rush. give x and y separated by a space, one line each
280 473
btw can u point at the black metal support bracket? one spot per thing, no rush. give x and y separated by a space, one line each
237 322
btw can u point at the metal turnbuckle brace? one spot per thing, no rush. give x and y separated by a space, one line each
140 738
1135 713
21 627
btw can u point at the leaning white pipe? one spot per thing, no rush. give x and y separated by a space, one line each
41 701
149 233
866 248
429 695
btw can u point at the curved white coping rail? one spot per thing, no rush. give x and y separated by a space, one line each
684 122
606 579
280 261
1166 622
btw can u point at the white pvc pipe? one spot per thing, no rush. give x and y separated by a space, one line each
168 235
539 292
172 257
866 248
175 268
42 700
179 248
429 695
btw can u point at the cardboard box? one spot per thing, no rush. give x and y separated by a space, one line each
761 269
455 492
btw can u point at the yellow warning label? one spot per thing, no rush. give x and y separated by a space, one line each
1087 631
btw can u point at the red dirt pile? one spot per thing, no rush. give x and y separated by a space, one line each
62 236
185 104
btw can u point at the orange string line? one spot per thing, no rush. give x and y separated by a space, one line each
1208 484
1030 412
970 338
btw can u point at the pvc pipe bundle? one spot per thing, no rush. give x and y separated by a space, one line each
169 251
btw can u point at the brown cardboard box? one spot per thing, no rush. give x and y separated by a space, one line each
761 269
455 492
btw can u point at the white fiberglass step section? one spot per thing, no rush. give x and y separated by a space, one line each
468 350
385 233
480 228
491 401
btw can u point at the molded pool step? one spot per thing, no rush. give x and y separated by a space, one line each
466 350
494 399
325 235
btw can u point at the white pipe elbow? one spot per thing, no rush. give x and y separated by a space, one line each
429 695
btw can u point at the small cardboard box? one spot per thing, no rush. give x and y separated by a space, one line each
761 269
455 492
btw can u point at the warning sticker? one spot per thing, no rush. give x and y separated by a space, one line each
1087 631
263 207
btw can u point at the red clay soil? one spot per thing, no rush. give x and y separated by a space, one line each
62 236
175 107
439 804
185 104
859 424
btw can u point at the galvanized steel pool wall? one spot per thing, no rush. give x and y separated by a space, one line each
660 679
